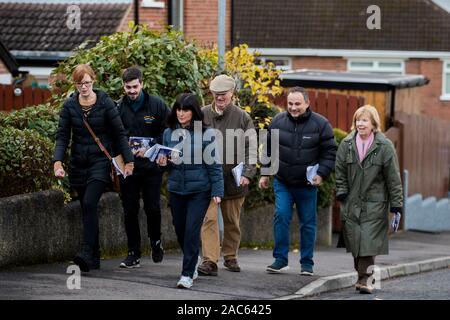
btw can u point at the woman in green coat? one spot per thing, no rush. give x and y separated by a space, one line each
368 185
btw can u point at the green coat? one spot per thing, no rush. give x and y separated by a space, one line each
372 187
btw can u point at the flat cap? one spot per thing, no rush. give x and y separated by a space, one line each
222 84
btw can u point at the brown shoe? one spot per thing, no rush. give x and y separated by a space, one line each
358 286
207 268
365 289
232 265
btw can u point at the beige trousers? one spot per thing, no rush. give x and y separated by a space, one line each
231 213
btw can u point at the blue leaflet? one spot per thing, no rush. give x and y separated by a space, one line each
140 144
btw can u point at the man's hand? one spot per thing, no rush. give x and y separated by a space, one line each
128 171
162 161
263 182
217 200
317 180
244 181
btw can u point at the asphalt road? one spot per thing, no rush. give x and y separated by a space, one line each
150 282
433 285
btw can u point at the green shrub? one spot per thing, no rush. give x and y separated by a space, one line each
43 118
257 197
339 135
170 64
25 161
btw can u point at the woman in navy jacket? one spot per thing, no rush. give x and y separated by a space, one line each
193 179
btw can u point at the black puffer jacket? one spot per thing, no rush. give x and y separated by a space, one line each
87 161
148 121
304 142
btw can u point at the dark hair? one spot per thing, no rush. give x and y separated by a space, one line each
185 101
301 90
131 74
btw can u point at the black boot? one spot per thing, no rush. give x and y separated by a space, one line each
157 251
86 259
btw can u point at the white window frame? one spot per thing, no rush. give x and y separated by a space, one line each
376 65
286 67
152 4
445 70
5 78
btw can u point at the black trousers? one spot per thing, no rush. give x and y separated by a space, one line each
89 197
149 186
188 212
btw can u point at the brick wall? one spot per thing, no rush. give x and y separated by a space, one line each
337 64
155 18
432 69
200 20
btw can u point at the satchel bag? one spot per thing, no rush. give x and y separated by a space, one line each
116 161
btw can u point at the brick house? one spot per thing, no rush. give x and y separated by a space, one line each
37 33
295 34
334 35
9 68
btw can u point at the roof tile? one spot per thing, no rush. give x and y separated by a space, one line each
42 27
416 25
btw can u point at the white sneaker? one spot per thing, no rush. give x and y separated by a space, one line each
185 282
196 266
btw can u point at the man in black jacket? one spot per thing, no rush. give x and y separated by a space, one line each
143 117
305 140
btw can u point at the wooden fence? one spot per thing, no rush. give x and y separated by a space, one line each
29 96
424 151
337 108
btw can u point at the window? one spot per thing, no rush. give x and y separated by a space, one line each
446 81
382 66
5 78
152 4
281 63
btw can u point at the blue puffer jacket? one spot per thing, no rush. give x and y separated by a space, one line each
193 175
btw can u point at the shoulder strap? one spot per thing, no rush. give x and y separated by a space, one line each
118 103
96 139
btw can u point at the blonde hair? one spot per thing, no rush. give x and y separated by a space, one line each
369 111
80 70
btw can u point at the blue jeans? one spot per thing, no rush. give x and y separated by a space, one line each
305 199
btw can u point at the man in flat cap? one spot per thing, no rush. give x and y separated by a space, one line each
222 114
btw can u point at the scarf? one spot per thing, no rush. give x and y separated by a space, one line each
363 145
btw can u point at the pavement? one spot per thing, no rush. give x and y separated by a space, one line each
410 253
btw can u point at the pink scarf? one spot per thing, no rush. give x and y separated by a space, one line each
363 145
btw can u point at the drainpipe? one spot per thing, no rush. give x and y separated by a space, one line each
175 11
136 12
221 34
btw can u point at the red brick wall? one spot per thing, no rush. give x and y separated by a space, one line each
200 21
432 69
155 18
337 64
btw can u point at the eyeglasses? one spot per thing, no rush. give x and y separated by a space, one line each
86 83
